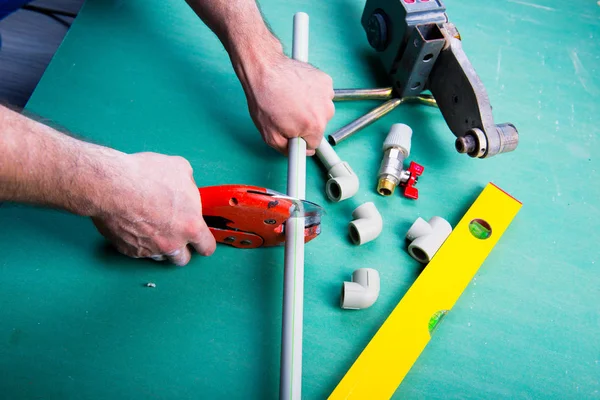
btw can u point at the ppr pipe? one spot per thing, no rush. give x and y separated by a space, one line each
366 225
376 113
290 381
362 94
362 292
426 238
396 148
342 182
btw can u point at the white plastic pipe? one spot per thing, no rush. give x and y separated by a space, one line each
290 384
327 155
427 237
362 292
367 224
342 182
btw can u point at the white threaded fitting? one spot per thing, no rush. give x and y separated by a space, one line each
362 292
400 136
367 224
427 237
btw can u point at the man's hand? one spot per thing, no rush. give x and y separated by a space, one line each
287 99
147 204
155 211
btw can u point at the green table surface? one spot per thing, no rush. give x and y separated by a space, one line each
76 321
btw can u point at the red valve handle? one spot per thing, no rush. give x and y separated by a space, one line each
414 170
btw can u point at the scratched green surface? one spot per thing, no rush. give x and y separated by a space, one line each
77 323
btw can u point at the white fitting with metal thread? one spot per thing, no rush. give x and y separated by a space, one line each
342 182
362 292
396 149
427 237
400 136
367 224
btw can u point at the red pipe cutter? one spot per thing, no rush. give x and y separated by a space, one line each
249 216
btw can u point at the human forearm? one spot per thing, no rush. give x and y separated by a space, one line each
147 204
286 98
243 32
42 166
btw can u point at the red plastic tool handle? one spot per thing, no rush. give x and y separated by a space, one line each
248 216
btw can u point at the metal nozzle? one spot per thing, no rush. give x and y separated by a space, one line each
465 144
385 186
477 143
474 143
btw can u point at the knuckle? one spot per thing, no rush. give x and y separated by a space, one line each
282 142
319 125
308 124
270 140
329 80
134 252
141 252
165 246
331 110
125 250
182 162
313 143
208 250
277 142
205 252
182 258
193 227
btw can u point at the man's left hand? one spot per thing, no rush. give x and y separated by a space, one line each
288 99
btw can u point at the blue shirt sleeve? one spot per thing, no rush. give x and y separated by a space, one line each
9 6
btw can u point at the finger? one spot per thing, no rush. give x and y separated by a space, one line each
310 153
203 241
312 141
180 257
281 144
126 249
329 82
330 110
158 257
276 141
192 179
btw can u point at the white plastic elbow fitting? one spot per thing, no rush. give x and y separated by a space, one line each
362 292
342 182
427 237
367 224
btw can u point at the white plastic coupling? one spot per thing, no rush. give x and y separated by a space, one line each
427 237
367 224
362 292
342 182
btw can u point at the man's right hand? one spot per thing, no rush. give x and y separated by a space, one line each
154 210
147 204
